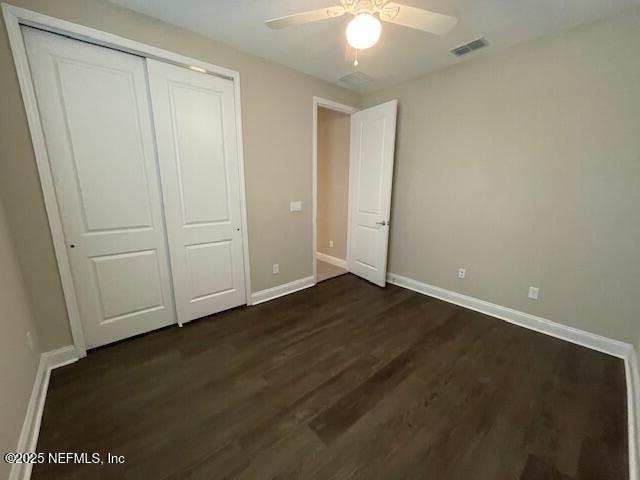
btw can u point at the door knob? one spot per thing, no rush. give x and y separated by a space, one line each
383 223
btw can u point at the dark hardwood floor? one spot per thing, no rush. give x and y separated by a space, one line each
343 380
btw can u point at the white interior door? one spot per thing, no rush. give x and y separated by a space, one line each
373 133
96 117
195 123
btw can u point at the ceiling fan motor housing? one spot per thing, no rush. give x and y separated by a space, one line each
371 7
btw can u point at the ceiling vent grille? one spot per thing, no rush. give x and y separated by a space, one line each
355 79
473 45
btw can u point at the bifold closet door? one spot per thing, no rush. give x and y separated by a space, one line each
96 117
195 120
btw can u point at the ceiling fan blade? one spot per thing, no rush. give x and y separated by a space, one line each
417 18
306 17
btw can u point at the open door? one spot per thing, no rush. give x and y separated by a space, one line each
373 134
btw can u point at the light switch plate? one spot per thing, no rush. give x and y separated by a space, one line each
295 206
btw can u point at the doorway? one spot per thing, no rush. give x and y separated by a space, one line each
353 156
332 126
333 193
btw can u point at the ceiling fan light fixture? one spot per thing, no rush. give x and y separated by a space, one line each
363 31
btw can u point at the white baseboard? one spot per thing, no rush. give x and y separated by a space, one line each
633 403
338 262
281 290
610 346
31 427
60 357
532 322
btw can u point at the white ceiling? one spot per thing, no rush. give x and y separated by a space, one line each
319 49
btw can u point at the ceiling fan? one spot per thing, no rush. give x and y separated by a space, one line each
364 29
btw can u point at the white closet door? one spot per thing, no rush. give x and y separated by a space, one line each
96 117
373 133
194 115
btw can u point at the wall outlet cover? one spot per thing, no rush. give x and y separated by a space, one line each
276 268
295 206
533 293
462 272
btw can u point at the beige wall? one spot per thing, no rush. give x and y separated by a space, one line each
277 118
524 167
333 181
18 363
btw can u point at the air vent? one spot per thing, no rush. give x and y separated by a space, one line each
355 79
476 44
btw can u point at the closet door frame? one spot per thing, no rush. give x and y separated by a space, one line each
15 17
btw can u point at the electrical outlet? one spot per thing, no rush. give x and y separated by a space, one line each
330 243
276 268
533 293
30 340
295 206
462 272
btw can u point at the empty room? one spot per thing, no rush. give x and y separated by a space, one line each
320 239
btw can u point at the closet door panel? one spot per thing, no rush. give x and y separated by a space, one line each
105 127
194 115
95 113
199 144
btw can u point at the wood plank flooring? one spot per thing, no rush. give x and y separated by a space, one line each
343 380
